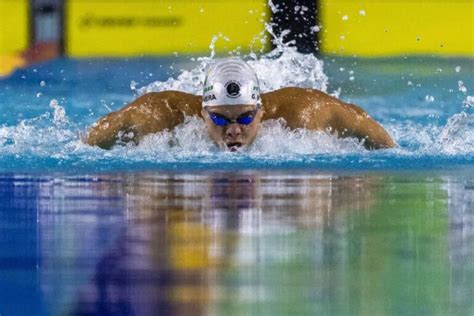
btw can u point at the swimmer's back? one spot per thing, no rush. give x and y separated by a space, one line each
300 107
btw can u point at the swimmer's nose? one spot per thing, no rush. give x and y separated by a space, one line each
233 131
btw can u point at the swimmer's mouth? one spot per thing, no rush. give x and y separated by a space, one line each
234 146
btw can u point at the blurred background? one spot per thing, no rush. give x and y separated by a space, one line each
36 30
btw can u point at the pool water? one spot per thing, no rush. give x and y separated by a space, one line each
237 243
425 103
298 223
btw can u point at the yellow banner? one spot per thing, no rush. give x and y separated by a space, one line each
125 28
377 28
13 26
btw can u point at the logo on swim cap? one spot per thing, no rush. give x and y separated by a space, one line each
233 89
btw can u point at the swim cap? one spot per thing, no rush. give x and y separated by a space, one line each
230 81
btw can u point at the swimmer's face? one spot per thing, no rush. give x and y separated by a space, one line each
233 135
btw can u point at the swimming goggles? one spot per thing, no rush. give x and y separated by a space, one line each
244 119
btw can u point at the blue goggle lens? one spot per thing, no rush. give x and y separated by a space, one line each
220 120
245 120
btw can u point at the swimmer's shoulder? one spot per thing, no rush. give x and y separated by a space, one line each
294 93
301 107
295 96
171 95
178 100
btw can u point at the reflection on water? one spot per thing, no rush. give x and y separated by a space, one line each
238 243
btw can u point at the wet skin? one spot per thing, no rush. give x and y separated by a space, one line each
299 107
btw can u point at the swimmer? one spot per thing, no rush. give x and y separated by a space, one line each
233 108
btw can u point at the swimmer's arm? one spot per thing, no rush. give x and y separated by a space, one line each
106 132
150 113
319 111
352 121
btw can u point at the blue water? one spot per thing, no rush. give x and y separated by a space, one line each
301 223
424 102
237 243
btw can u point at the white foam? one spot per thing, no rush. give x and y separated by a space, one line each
277 139
190 139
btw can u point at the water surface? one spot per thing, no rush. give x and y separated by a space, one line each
237 243
425 103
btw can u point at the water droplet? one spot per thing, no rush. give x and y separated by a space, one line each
469 102
461 87
429 98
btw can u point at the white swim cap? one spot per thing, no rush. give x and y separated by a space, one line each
230 81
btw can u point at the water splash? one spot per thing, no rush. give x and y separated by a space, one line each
52 140
458 135
277 139
41 143
59 114
280 68
40 136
